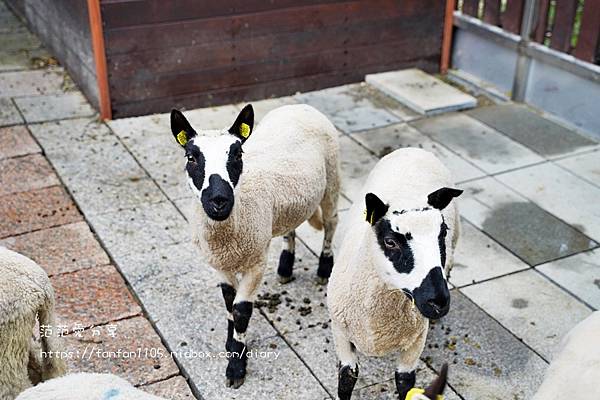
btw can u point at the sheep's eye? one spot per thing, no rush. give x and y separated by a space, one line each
390 243
190 158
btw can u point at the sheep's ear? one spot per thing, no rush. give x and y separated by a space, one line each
436 388
181 128
375 208
242 127
442 197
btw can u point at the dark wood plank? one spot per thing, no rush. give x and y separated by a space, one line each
563 25
491 12
512 16
542 21
470 7
589 33
119 14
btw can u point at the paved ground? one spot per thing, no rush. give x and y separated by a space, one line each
103 208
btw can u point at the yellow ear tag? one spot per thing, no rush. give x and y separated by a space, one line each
244 130
368 218
414 391
182 138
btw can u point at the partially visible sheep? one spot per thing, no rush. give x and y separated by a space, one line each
86 386
26 295
574 373
390 274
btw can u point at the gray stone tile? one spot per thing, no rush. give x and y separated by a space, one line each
9 114
387 139
523 303
56 106
356 164
141 229
22 59
532 130
478 258
486 361
579 274
511 219
31 83
350 108
561 193
18 41
421 92
586 166
477 143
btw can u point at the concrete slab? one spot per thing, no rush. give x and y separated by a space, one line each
26 173
477 143
523 302
175 388
561 193
579 274
421 92
350 108
384 140
586 166
509 219
16 141
356 164
486 361
21 60
532 130
19 40
9 114
31 83
55 106
479 258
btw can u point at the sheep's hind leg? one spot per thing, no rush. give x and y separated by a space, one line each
286 259
330 220
348 365
242 311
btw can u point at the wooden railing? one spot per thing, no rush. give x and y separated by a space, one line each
568 26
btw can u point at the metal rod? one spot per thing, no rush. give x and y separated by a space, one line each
523 66
99 57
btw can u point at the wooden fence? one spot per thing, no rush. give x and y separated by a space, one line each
569 26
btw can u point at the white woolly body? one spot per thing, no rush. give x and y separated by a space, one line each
86 386
366 310
25 294
290 167
574 373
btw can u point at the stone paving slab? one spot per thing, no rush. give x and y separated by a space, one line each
532 130
21 59
568 197
31 83
387 139
509 219
421 92
356 164
477 143
131 334
9 114
66 248
175 388
533 308
490 362
586 166
579 274
350 108
19 40
16 141
36 209
29 172
91 297
54 106
478 258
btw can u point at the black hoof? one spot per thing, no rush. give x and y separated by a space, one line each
347 378
284 279
234 383
321 281
325 267
286 265
404 382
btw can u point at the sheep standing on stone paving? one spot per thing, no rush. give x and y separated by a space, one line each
253 186
395 260
26 296
86 386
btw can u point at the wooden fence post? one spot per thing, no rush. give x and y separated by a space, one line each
99 58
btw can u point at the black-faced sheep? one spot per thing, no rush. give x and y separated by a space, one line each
390 273
26 297
251 186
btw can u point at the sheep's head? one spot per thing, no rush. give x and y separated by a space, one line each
410 249
214 160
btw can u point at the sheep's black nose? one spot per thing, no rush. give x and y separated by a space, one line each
438 304
219 202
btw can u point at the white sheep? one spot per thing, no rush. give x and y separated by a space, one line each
574 373
252 186
396 259
26 296
86 386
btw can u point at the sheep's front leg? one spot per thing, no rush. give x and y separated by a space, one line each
348 365
242 311
228 289
407 362
286 259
